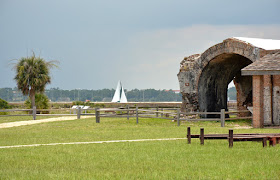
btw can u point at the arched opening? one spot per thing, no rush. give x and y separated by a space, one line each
231 99
214 80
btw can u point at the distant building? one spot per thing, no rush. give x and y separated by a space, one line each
176 91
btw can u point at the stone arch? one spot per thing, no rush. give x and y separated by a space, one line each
228 46
215 77
205 76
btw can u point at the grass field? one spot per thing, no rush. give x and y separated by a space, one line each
133 160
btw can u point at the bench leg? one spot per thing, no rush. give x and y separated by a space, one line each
264 142
277 140
272 141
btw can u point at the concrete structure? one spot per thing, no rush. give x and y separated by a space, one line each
266 89
204 78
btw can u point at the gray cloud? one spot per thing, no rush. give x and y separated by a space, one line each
156 54
139 42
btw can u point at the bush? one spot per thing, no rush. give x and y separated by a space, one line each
66 106
81 103
99 105
56 105
4 105
41 102
78 103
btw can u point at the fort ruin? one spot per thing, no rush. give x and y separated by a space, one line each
204 78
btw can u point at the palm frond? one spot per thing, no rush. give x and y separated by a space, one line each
33 73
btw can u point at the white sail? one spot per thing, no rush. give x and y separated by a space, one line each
123 97
117 94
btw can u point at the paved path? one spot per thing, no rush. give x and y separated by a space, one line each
29 122
92 142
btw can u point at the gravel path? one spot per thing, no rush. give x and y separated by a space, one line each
30 122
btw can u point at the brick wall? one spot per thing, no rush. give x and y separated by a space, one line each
267 93
276 99
258 118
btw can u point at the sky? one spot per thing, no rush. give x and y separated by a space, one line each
141 43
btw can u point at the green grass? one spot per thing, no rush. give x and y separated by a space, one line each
133 160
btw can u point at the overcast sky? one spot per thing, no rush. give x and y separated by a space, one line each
99 42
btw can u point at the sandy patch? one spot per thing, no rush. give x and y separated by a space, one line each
30 122
242 127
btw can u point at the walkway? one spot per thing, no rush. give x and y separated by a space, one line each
30 122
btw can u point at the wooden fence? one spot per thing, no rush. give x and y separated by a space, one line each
162 113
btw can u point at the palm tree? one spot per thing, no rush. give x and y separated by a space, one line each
32 75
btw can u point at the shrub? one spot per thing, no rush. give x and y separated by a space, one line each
66 106
99 105
82 103
41 102
78 103
4 105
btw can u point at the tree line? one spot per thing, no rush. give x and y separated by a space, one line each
103 95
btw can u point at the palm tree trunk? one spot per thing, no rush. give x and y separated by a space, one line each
32 97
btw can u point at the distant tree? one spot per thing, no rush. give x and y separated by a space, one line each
6 94
32 75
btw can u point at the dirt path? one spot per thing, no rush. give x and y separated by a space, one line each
30 122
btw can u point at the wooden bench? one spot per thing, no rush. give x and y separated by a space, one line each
271 137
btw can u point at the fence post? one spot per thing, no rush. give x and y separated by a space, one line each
162 113
34 112
222 117
79 113
202 136
178 117
97 115
157 112
230 138
127 107
137 114
189 135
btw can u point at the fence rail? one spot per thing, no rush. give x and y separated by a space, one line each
128 112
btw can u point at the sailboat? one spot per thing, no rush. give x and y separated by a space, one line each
119 95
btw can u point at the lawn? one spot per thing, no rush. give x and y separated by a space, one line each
133 160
